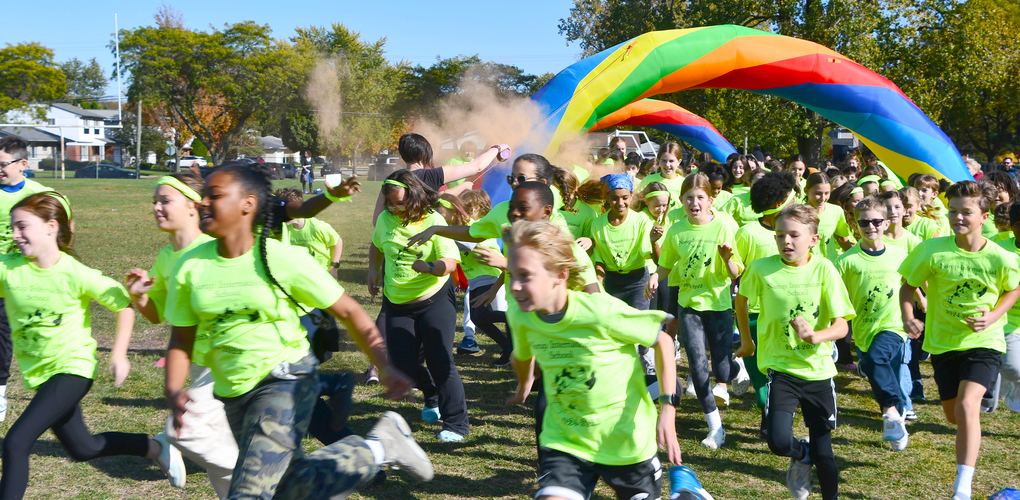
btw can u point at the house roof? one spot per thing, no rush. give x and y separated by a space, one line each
271 142
96 114
30 135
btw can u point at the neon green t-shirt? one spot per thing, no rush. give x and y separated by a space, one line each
782 293
7 202
832 248
739 207
1013 316
48 312
401 283
1002 236
161 271
578 219
691 254
672 185
988 229
739 189
906 242
599 409
831 222
960 282
722 198
471 266
318 237
924 228
623 248
245 325
874 287
582 174
755 241
456 160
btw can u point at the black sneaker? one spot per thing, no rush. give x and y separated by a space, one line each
340 401
504 360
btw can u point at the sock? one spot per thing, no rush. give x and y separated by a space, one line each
964 478
895 415
3 391
713 419
377 450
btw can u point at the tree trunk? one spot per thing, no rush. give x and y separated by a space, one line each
811 148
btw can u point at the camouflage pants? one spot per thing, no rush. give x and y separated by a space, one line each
268 423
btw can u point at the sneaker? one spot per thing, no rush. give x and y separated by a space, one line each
722 397
740 384
468 346
504 360
1012 398
170 462
3 406
340 401
689 389
715 439
917 393
430 415
860 372
960 496
892 427
798 477
910 416
684 484
399 447
371 375
449 437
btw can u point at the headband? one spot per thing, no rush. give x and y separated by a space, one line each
869 178
888 182
393 182
175 183
653 194
447 204
789 199
63 202
856 190
618 181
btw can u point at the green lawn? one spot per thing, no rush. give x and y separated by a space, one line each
115 232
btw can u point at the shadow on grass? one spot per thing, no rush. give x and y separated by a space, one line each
137 402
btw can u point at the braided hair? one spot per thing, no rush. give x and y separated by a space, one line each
256 179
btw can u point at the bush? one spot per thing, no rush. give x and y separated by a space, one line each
49 164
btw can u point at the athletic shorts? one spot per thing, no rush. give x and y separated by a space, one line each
976 365
816 398
564 475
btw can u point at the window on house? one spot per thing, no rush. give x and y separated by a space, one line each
86 131
97 131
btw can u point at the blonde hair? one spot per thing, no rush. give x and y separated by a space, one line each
696 181
476 203
874 204
804 214
641 201
455 216
670 148
552 246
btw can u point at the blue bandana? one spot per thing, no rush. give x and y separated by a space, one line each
618 181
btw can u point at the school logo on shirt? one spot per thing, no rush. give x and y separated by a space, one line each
572 386
874 295
36 343
967 290
809 311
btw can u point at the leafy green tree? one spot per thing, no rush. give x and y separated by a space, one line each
85 82
28 75
214 83
423 89
152 138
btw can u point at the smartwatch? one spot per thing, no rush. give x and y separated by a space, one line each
669 399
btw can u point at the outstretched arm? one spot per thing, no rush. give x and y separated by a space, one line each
452 173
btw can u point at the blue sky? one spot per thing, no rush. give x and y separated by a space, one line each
525 35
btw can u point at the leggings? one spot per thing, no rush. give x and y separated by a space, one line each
708 331
758 379
782 442
485 319
56 406
428 327
5 345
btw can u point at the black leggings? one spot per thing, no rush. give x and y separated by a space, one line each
485 319
56 406
5 345
782 442
427 328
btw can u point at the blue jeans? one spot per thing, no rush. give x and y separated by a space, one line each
882 363
906 380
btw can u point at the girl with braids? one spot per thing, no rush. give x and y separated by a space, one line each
578 215
206 438
418 299
235 302
47 294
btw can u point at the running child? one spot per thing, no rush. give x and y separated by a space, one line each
928 188
1010 370
622 244
739 181
831 219
914 218
972 283
794 346
653 203
600 419
698 256
895 234
47 294
576 213
669 157
869 271
739 206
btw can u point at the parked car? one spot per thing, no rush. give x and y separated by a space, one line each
328 169
103 172
275 169
188 161
289 171
384 166
29 173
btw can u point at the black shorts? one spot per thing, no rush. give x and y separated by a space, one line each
564 475
816 398
976 365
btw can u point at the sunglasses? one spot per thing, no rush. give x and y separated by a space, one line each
862 223
520 179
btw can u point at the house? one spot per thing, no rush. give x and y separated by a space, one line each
85 133
276 152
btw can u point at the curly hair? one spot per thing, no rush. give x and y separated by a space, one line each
477 203
552 246
772 188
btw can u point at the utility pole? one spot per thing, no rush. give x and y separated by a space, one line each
138 143
177 152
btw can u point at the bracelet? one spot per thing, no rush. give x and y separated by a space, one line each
432 267
334 199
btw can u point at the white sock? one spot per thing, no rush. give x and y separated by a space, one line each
893 413
714 420
377 450
3 390
964 478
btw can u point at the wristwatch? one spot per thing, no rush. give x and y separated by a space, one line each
334 265
669 399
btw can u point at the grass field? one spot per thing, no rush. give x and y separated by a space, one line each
115 232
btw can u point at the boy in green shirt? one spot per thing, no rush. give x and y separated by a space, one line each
13 188
869 271
1010 370
804 306
972 283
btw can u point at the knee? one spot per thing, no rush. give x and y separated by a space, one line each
780 443
15 445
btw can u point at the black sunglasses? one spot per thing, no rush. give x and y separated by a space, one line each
862 223
6 163
520 179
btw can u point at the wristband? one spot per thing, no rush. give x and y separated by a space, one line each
669 399
432 267
334 265
332 198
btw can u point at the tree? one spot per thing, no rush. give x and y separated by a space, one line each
85 82
28 75
238 74
152 138
423 89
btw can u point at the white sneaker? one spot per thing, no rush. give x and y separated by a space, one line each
3 406
170 462
1013 397
960 496
910 416
892 427
743 380
715 439
798 477
722 397
689 389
